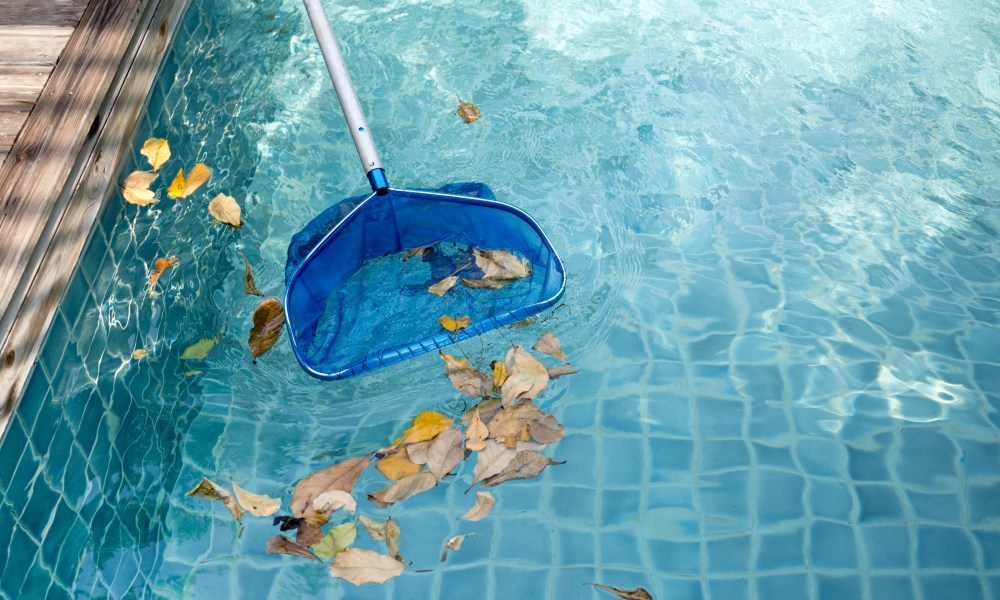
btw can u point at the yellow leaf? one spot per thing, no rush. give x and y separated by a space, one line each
161 265
136 188
139 354
212 491
441 287
140 197
257 505
499 373
157 151
454 324
476 433
198 350
397 465
468 111
176 189
425 426
268 319
364 566
225 209
198 176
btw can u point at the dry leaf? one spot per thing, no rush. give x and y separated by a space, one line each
487 408
426 425
340 476
417 452
467 380
506 427
335 541
213 491
520 362
500 264
418 251
403 489
279 544
375 528
268 319
492 460
333 500
483 506
198 176
257 505
161 265
225 210
526 464
441 287
486 283
454 324
549 344
199 350
309 532
499 373
515 386
157 151
248 282
558 372
468 111
445 453
136 188
397 465
364 566
392 533
139 354
636 594
176 189
454 543
546 430
476 433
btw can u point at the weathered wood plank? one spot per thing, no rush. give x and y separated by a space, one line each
42 12
35 45
22 84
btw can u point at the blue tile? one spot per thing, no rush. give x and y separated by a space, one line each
729 589
74 480
936 507
523 538
623 464
15 443
670 415
989 541
720 418
822 457
982 500
18 563
56 592
879 503
520 582
887 546
723 454
726 495
69 556
576 547
839 588
669 458
39 508
89 426
779 496
785 550
570 582
23 478
951 586
833 546
620 549
619 507
62 522
621 415
77 297
944 547
729 555
675 557
867 466
783 586
55 344
7 526
686 588
59 451
891 586
831 499
573 503
36 583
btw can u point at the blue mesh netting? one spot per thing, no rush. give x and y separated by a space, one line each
354 303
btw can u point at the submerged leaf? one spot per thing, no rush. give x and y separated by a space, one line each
476 433
467 380
397 465
198 350
392 533
558 372
268 319
418 251
549 344
468 111
483 506
248 282
279 544
364 566
139 354
309 532
453 324
136 188
454 543
225 209
376 529
340 476
403 489
335 541
161 265
257 505
486 283
492 460
441 287
636 594
526 464
157 151
500 264
445 453
213 491
546 430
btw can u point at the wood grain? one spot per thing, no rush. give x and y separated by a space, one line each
42 12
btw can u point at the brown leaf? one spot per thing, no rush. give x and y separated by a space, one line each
549 344
309 532
268 319
486 283
442 287
476 433
492 460
403 489
418 251
417 452
546 430
225 210
487 408
257 505
636 594
526 464
340 476
467 380
558 372
364 566
248 282
453 324
392 533
376 529
161 265
507 428
213 491
500 264
333 500
397 465
455 543
483 506
468 111
520 364
279 544
445 453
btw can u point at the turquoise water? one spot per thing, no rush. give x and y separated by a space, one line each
780 227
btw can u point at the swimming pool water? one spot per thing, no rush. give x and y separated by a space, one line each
780 226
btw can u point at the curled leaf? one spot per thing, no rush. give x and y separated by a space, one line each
403 489
279 544
248 282
557 372
476 433
453 324
340 476
417 452
467 380
364 566
225 210
333 500
392 533
198 350
335 541
376 529
636 594
526 465
212 491
483 506
500 264
160 266
156 151
549 344
454 543
257 505
520 362
468 111
136 188
486 283
418 251
441 287
268 319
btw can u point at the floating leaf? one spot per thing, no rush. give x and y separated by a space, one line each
157 151
468 111
476 433
483 506
506 427
467 380
500 264
364 566
487 408
198 350
557 372
526 464
268 319
403 489
499 373
454 543
139 354
257 505
191 373
160 266
426 425
225 209
248 282
335 541
340 476
376 529
636 594
549 344
213 491
392 533
520 362
486 283
397 465
176 189
279 544
198 176
445 453
453 324
136 188
332 500
492 460
309 532
515 386
441 287
546 430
